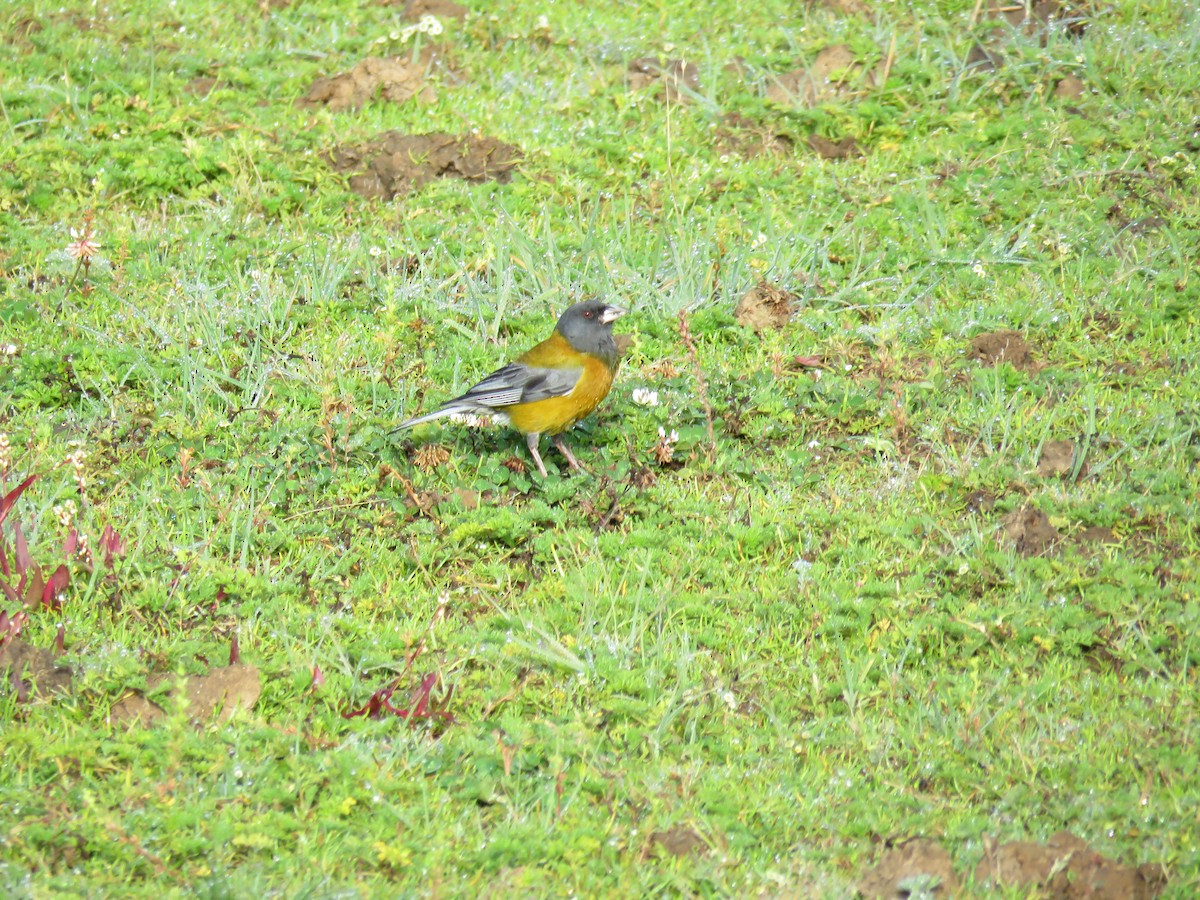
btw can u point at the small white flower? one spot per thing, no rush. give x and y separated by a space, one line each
979 270
542 24
758 241
471 420
65 513
429 25
645 397
85 245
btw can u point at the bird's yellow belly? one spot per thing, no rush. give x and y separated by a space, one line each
557 414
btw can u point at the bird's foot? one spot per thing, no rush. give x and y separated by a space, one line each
566 451
531 440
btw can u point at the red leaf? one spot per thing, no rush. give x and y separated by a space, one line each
59 640
32 587
71 544
10 628
420 698
111 545
380 703
21 553
7 501
54 588
376 702
318 678
235 653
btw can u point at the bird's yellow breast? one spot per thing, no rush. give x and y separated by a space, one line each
556 414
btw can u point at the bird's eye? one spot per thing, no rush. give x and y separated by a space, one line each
588 314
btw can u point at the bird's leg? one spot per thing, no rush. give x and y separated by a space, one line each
531 440
566 451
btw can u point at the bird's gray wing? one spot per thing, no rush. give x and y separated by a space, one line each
515 383
519 383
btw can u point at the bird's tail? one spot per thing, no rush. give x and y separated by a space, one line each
428 417
470 411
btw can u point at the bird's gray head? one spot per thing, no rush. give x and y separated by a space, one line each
587 327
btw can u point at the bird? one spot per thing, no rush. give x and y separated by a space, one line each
551 386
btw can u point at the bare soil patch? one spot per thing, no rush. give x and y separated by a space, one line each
918 867
740 134
764 306
1064 867
31 671
1002 346
225 689
1030 531
394 80
1057 459
835 73
395 163
679 78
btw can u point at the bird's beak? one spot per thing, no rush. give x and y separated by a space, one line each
611 314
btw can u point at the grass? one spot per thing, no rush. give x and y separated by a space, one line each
791 642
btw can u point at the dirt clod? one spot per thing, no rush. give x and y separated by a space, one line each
919 867
1069 88
678 77
848 7
845 148
981 501
836 72
764 306
227 689
1030 531
741 134
679 842
1057 459
31 671
441 9
396 163
1066 867
392 79
201 86
1097 536
135 707
1037 17
1001 346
